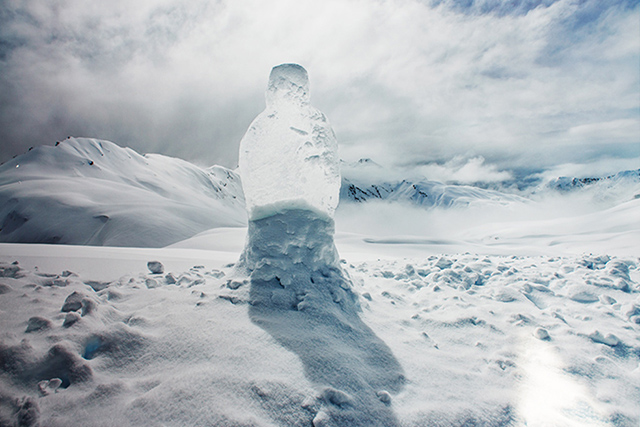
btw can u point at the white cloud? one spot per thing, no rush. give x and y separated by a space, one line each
597 168
467 171
623 130
400 80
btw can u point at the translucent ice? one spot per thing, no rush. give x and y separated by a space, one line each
288 157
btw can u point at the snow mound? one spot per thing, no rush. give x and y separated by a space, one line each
288 157
93 192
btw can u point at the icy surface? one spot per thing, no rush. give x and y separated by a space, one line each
288 157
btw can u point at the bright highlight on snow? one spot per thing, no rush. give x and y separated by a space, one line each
288 157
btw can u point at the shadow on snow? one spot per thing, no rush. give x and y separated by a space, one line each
302 298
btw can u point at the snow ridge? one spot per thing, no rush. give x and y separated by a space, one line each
93 192
428 194
564 183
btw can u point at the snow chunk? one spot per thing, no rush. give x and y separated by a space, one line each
38 323
28 412
542 334
155 267
70 319
582 294
288 157
47 387
73 302
610 339
384 396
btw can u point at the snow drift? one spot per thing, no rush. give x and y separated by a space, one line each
93 192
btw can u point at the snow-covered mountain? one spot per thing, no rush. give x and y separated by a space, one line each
608 190
423 193
92 192
366 180
564 183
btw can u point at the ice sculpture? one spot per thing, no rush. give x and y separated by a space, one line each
288 157
299 293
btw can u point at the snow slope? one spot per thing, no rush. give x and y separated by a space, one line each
610 190
93 192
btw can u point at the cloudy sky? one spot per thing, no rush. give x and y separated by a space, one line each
476 87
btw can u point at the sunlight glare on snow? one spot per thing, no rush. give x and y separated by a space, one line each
549 396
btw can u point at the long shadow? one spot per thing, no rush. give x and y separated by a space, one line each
301 297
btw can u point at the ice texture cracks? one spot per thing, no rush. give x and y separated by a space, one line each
288 156
288 84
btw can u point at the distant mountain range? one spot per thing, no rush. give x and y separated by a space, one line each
362 181
567 184
92 192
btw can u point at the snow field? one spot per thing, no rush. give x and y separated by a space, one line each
484 340
150 353
487 340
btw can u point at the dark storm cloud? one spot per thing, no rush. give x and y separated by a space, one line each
528 83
